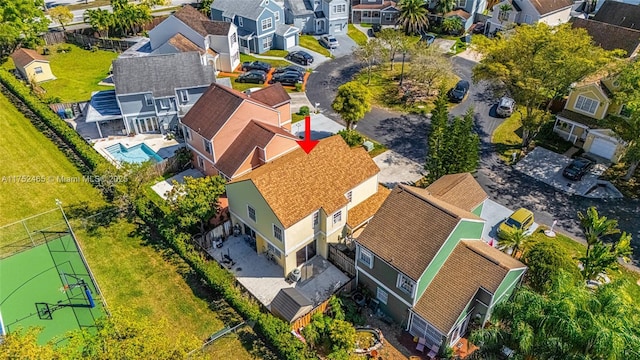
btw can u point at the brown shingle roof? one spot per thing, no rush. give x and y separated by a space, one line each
443 205
23 57
460 190
216 27
548 6
297 184
274 95
255 134
581 119
408 230
472 265
619 13
366 209
181 43
610 37
200 23
384 5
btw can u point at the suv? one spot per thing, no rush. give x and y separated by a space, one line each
578 167
256 65
300 57
458 93
252 76
505 106
287 78
289 68
521 219
329 41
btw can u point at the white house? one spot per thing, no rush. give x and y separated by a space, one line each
551 12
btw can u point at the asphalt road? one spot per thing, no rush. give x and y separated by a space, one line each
407 134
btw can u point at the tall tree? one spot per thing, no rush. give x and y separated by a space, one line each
124 185
21 22
62 15
352 102
370 54
545 261
413 16
445 6
536 64
391 39
195 201
429 67
517 240
205 7
628 93
100 20
435 162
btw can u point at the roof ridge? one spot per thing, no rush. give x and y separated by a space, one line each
424 198
488 257
269 128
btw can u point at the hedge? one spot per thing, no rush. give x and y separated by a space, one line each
85 151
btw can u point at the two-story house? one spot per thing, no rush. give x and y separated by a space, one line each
621 13
153 92
299 203
189 30
260 24
509 12
383 12
610 37
424 262
318 16
585 118
231 133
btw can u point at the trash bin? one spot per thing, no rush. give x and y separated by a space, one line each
62 114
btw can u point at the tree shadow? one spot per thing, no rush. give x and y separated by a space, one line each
92 218
406 135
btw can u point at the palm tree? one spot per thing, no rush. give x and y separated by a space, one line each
413 16
100 20
517 240
445 6
594 227
503 15
452 25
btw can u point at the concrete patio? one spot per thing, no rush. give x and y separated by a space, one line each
163 187
264 279
321 127
157 142
396 169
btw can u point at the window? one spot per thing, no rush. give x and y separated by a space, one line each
165 104
382 296
207 146
624 111
274 250
350 196
461 3
587 105
366 257
528 19
337 217
405 284
233 38
267 42
252 212
38 70
388 16
316 219
240 21
339 9
148 99
277 16
187 133
267 24
200 163
184 96
277 233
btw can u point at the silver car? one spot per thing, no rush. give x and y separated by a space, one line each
329 41
505 106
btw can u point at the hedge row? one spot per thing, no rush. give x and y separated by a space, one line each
275 331
85 151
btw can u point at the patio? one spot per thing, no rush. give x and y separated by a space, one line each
264 279
163 187
157 142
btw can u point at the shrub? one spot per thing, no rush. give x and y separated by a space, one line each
351 137
299 87
304 110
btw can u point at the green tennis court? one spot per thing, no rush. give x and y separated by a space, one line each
48 286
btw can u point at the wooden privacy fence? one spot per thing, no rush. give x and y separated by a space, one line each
306 319
58 37
342 261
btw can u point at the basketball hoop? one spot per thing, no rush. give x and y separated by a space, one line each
64 288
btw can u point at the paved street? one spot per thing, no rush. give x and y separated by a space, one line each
406 134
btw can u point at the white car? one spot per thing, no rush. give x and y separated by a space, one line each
329 41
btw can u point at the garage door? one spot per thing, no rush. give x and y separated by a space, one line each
337 28
290 42
602 147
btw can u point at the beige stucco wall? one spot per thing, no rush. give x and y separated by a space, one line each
590 91
30 71
363 191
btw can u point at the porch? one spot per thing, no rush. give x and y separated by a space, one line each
264 279
367 15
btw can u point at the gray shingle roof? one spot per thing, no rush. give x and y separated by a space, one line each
299 7
160 74
249 9
619 13
290 304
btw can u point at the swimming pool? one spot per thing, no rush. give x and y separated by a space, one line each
136 154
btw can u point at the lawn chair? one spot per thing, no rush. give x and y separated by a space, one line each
421 343
433 351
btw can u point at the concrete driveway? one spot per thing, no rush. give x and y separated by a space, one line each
494 213
321 127
346 47
397 169
318 59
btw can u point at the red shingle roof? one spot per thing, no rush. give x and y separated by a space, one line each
23 57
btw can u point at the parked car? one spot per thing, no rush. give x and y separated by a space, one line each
506 105
284 69
376 27
252 76
329 41
256 65
577 168
429 38
300 57
458 93
287 78
520 219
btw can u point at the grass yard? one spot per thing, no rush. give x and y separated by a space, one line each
275 63
295 117
358 36
274 52
311 43
78 72
507 138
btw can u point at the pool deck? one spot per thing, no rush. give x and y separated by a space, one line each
163 147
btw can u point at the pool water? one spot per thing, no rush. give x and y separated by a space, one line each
136 154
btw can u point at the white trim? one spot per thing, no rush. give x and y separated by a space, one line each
273 230
206 157
578 109
399 282
266 239
383 286
367 253
141 113
493 303
254 213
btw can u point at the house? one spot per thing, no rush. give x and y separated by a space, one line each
317 16
298 204
509 12
610 37
153 92
424 262
260 24
383 12
189 30
618 13
231 133
583 121
32 66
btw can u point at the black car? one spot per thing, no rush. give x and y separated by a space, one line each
256 65
458 93
577 168
287 78
252 76
300 57
290 68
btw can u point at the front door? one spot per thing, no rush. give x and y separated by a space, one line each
249 231
303 255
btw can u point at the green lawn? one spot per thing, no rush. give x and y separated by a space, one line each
507 138
311 43
296 117
278 53
276 63
78 72
358 36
